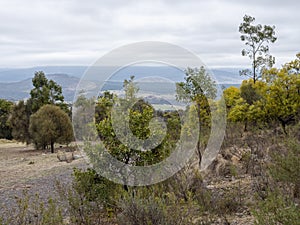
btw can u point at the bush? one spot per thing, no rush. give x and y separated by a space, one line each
135 209
139 211
90 199
32 210
286 166
276 209
279 206
227 202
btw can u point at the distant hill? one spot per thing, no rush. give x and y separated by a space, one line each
8 75
15 84
15 91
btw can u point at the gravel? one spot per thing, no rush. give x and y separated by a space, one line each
43 186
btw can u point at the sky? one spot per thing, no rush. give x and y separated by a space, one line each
72 32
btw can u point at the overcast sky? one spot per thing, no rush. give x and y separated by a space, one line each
73 32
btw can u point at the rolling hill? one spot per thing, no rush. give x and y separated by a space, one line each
15 84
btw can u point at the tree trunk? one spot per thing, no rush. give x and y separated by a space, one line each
297 190
125 187
246 126
283 124
254 66
52 147
199 143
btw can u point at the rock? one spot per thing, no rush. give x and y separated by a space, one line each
220 166
61 156
65 156
76 156
235 160
69 157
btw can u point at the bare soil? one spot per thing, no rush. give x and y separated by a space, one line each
20 164
36 171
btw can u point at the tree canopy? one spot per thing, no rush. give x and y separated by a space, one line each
256 38
5 110
274 98
45 92
133 118
19 121
198 88
50 125
283 92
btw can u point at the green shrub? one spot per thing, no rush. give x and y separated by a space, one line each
275 210
279 205
139 211
90 199
34 211
286 166
135 209
227 202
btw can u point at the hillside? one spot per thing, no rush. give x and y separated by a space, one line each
21 90
15 84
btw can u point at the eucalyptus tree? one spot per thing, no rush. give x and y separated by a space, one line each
256 38
199 88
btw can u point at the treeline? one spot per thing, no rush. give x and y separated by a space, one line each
272 100
43 119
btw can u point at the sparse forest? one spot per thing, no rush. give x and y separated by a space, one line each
253 180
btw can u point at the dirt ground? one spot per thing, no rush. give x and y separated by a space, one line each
22 168
20 164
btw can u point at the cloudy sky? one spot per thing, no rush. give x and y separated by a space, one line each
73 32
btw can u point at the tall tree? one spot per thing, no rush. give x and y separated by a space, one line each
45 92
256 38
50 125
132 117
130 132
19 121
198 88
5 129
82 117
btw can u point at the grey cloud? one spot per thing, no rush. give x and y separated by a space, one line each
76 32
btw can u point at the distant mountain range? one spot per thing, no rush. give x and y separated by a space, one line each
15 84
15 75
